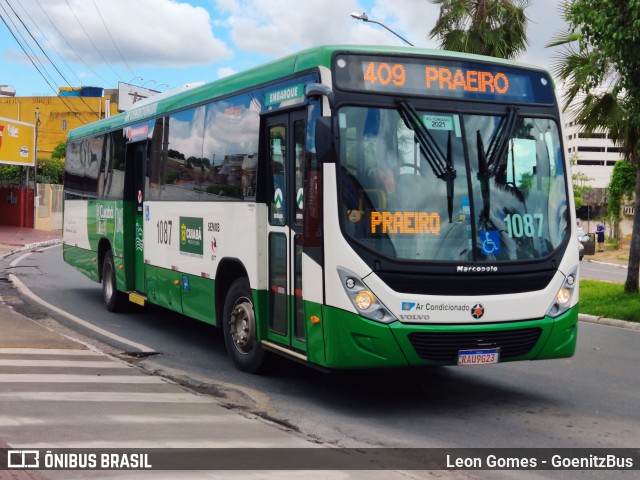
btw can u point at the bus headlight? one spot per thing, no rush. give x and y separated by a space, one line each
563 299
564 296
363 299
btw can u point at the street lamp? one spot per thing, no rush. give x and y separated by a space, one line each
135 78
365 18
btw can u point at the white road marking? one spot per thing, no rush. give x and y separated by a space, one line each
24 290
105 397
61 363
68 378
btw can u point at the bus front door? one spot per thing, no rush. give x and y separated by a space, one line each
286 136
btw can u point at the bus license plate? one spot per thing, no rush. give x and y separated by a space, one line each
478 357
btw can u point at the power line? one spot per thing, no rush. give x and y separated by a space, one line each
44 77
111 37
35 24
91 41
71 49
24 48
36 41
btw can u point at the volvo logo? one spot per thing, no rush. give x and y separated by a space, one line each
477 311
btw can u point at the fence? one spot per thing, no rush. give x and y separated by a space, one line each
50 208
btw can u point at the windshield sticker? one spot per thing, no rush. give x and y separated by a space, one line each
405 222
354 216
442 122
490 243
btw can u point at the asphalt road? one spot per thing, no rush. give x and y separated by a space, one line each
589 400
606 273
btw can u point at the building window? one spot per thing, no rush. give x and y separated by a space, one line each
593 135
591 162
591 149
64 125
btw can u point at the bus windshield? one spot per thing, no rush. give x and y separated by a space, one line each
442 186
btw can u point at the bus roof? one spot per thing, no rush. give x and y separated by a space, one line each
297 62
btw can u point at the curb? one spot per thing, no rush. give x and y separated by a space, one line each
31 246
611 322
600 262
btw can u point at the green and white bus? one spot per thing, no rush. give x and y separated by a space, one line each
346 206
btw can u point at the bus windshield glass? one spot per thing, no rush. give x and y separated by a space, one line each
441 186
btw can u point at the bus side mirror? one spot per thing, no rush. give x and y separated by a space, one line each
324 140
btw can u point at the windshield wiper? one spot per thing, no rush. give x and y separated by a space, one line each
441 165
493 162
497 152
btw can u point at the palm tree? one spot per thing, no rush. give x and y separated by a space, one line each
594 96
486 27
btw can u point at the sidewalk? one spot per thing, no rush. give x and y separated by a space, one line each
13 238
611 256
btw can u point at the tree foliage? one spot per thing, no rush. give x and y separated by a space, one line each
50 170
601 69
60 151
497 28
621 186
580 183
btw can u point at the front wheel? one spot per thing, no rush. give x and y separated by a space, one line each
114 300
240 328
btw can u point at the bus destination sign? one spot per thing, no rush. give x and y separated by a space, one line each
448 78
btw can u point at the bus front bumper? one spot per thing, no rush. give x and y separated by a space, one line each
352 341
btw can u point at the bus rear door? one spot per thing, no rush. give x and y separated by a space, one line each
136 158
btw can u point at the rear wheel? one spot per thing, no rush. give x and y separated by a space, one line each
114 300
240 328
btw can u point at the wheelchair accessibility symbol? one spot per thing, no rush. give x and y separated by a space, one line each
490 242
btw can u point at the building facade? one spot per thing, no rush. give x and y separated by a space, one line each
74 107
595 156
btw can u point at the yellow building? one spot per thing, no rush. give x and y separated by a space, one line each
74 107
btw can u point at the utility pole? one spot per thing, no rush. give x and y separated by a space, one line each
36 199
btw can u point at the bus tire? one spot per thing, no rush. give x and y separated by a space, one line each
114 300
240 328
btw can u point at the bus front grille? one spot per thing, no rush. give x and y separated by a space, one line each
444 347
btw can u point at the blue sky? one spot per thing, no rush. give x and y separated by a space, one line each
166 43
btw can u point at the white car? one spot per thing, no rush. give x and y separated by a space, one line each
580 250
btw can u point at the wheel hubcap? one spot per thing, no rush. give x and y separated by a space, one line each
243 326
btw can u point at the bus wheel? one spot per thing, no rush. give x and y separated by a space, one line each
240 328
114 300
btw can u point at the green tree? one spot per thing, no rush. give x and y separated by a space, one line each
621 186
497 28
50 170
59 151
600 65
580 183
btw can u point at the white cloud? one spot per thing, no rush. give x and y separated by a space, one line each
226 72
146 32
278 27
